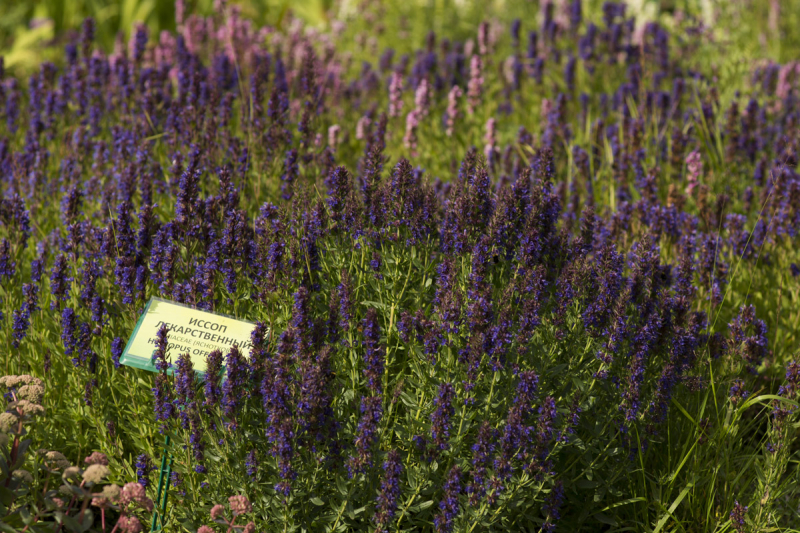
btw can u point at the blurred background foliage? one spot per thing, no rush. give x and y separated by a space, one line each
33 30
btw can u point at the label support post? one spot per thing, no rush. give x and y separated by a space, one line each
165 473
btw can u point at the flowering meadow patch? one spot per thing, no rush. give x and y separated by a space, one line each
541 279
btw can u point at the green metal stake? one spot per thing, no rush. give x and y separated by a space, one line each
161 501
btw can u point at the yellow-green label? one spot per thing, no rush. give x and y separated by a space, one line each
189 330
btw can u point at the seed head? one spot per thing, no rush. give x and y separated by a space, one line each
240 505
217 511
8 422
95 473
97 458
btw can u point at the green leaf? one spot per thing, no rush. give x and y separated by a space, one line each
674 506
605 519
88 520
408 400
420 507
341 485
316 501
23 447
682 410
758 399
680 466
71 523
556 370
6 496
599 494
586 484
625 502
376 305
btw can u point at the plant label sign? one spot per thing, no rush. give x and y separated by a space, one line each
190 330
